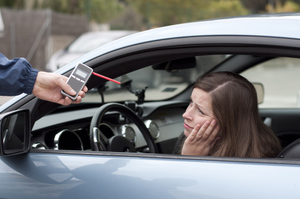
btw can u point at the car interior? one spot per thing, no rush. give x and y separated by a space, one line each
155 97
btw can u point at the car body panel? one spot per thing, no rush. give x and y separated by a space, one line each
46 175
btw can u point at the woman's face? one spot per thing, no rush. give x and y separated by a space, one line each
198 111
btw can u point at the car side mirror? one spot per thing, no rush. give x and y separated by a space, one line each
14 132
260 92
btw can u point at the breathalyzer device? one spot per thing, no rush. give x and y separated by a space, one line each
77 80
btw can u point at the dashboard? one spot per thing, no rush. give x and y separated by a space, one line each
69 130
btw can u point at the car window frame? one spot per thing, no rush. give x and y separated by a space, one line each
258 161
164 50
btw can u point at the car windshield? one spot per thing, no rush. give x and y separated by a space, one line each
159 84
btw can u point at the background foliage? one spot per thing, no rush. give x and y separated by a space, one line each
144 14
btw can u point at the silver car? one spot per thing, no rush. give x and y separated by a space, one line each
119 142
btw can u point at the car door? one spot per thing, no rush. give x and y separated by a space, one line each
104 175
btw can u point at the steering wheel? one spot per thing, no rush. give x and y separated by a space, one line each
118 143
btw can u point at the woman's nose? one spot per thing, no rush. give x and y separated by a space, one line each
187 114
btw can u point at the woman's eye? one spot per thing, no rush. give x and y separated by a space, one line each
200 111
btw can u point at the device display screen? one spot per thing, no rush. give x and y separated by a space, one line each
81 73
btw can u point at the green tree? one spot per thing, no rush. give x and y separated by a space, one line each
12 3
129 19
100 11
260 6
63 6
161 13
221 8
288 6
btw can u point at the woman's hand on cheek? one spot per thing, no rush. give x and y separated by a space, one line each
201 140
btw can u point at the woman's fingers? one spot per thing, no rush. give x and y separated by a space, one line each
208 131
193 134
214 133
201 139
205 130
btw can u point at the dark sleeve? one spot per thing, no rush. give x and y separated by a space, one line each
16 76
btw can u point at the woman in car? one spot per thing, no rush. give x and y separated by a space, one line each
223 120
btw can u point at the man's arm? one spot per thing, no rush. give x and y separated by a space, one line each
17 76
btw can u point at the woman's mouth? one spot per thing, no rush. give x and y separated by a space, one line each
187 126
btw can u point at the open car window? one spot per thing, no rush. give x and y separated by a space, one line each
278 77
160 84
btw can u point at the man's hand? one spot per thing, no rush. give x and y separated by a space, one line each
201 140
48 87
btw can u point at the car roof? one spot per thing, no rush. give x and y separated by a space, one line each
267 25
108 34
114 33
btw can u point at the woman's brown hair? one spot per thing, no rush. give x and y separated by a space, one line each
235 107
